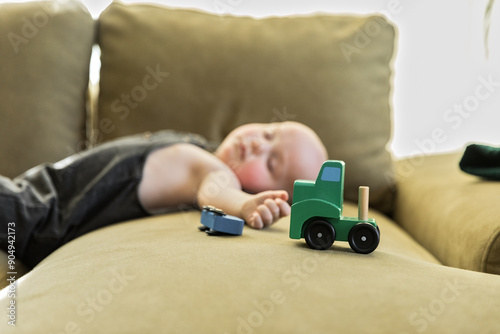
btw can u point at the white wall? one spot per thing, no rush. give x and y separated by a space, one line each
446 92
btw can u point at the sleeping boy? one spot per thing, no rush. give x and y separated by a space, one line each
250 175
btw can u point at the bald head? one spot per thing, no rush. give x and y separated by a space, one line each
272 156
306 153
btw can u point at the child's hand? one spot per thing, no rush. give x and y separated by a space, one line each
265 208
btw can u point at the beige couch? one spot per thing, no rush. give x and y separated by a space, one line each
435 270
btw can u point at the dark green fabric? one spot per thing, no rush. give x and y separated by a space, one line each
481 160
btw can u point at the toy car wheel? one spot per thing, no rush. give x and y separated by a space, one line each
364 238
319 234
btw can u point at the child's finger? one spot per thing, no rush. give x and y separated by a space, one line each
274 194
273 208
265 214
284 207
256 221
283 194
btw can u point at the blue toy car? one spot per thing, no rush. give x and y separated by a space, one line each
217 222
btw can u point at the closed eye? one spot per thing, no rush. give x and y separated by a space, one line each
273 164
270 165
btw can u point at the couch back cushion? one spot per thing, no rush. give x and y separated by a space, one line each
45 52
205 73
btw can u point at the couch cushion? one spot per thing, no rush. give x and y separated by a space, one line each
45 49
452 214
163 275
204 73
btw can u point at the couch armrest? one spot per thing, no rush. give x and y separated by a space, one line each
454 215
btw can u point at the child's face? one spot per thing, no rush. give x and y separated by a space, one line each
272 156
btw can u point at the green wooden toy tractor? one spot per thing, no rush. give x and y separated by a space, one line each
317 212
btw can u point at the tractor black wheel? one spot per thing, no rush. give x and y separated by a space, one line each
364 238
319 234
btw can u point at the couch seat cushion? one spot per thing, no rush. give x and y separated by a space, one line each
163 275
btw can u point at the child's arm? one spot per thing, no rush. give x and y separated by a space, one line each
222 189
176 174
